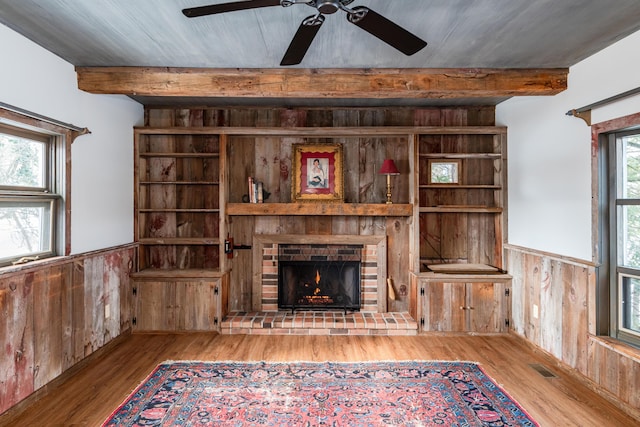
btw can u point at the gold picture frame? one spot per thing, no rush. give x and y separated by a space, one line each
317 173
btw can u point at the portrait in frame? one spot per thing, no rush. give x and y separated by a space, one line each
317 173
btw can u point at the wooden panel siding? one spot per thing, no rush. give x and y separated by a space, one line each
561 289
53 315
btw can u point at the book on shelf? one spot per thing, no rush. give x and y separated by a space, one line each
259 192
251 192
255 190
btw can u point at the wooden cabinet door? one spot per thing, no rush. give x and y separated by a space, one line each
464 307
486 304
196 306
176 306
442 304
154 306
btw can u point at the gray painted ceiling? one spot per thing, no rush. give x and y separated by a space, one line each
460 33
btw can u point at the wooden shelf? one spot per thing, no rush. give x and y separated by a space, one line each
324 132
461 155
193 273
461 187
460 209
181 155
335 209
180 241
430 276
195 210
179 183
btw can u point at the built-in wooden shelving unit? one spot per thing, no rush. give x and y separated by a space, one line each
471 208
177 203
190 184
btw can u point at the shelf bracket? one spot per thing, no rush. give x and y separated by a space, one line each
584 115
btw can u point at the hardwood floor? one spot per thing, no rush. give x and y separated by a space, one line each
89 396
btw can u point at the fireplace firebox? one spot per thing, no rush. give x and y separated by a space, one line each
319 277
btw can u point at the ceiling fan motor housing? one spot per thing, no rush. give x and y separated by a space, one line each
328 6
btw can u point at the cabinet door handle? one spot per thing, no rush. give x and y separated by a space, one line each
466 307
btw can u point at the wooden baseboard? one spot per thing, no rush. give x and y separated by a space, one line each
10 414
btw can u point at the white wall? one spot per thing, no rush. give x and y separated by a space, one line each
34 79
549 153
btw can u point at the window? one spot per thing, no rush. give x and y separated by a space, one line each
621 171
31 210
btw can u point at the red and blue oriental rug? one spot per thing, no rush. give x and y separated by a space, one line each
414 393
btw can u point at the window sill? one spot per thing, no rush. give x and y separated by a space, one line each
31 264
620 347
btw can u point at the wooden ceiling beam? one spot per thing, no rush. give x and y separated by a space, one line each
322 83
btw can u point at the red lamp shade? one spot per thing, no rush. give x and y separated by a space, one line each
389 168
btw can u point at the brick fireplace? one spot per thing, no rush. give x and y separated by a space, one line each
351 270
267 319
369 250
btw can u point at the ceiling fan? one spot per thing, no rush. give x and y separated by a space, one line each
365 18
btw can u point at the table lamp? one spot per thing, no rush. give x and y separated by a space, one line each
389 168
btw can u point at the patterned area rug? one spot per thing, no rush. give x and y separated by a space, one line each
416 393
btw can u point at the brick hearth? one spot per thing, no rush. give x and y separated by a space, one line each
319 323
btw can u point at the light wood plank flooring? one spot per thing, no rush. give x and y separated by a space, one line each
91 394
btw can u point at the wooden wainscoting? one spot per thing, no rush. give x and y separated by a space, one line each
563 290
55 313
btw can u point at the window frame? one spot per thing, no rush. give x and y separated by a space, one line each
57 179
611 270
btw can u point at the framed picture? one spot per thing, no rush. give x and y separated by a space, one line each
444 172
317 173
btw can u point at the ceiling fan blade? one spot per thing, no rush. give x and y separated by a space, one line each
302 40
386 30
228 7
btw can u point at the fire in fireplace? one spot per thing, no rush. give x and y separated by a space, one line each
319 277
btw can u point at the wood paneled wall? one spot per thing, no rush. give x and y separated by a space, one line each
53 315
564 292
270 160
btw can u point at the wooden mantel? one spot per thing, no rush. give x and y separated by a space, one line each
324 83
345 209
